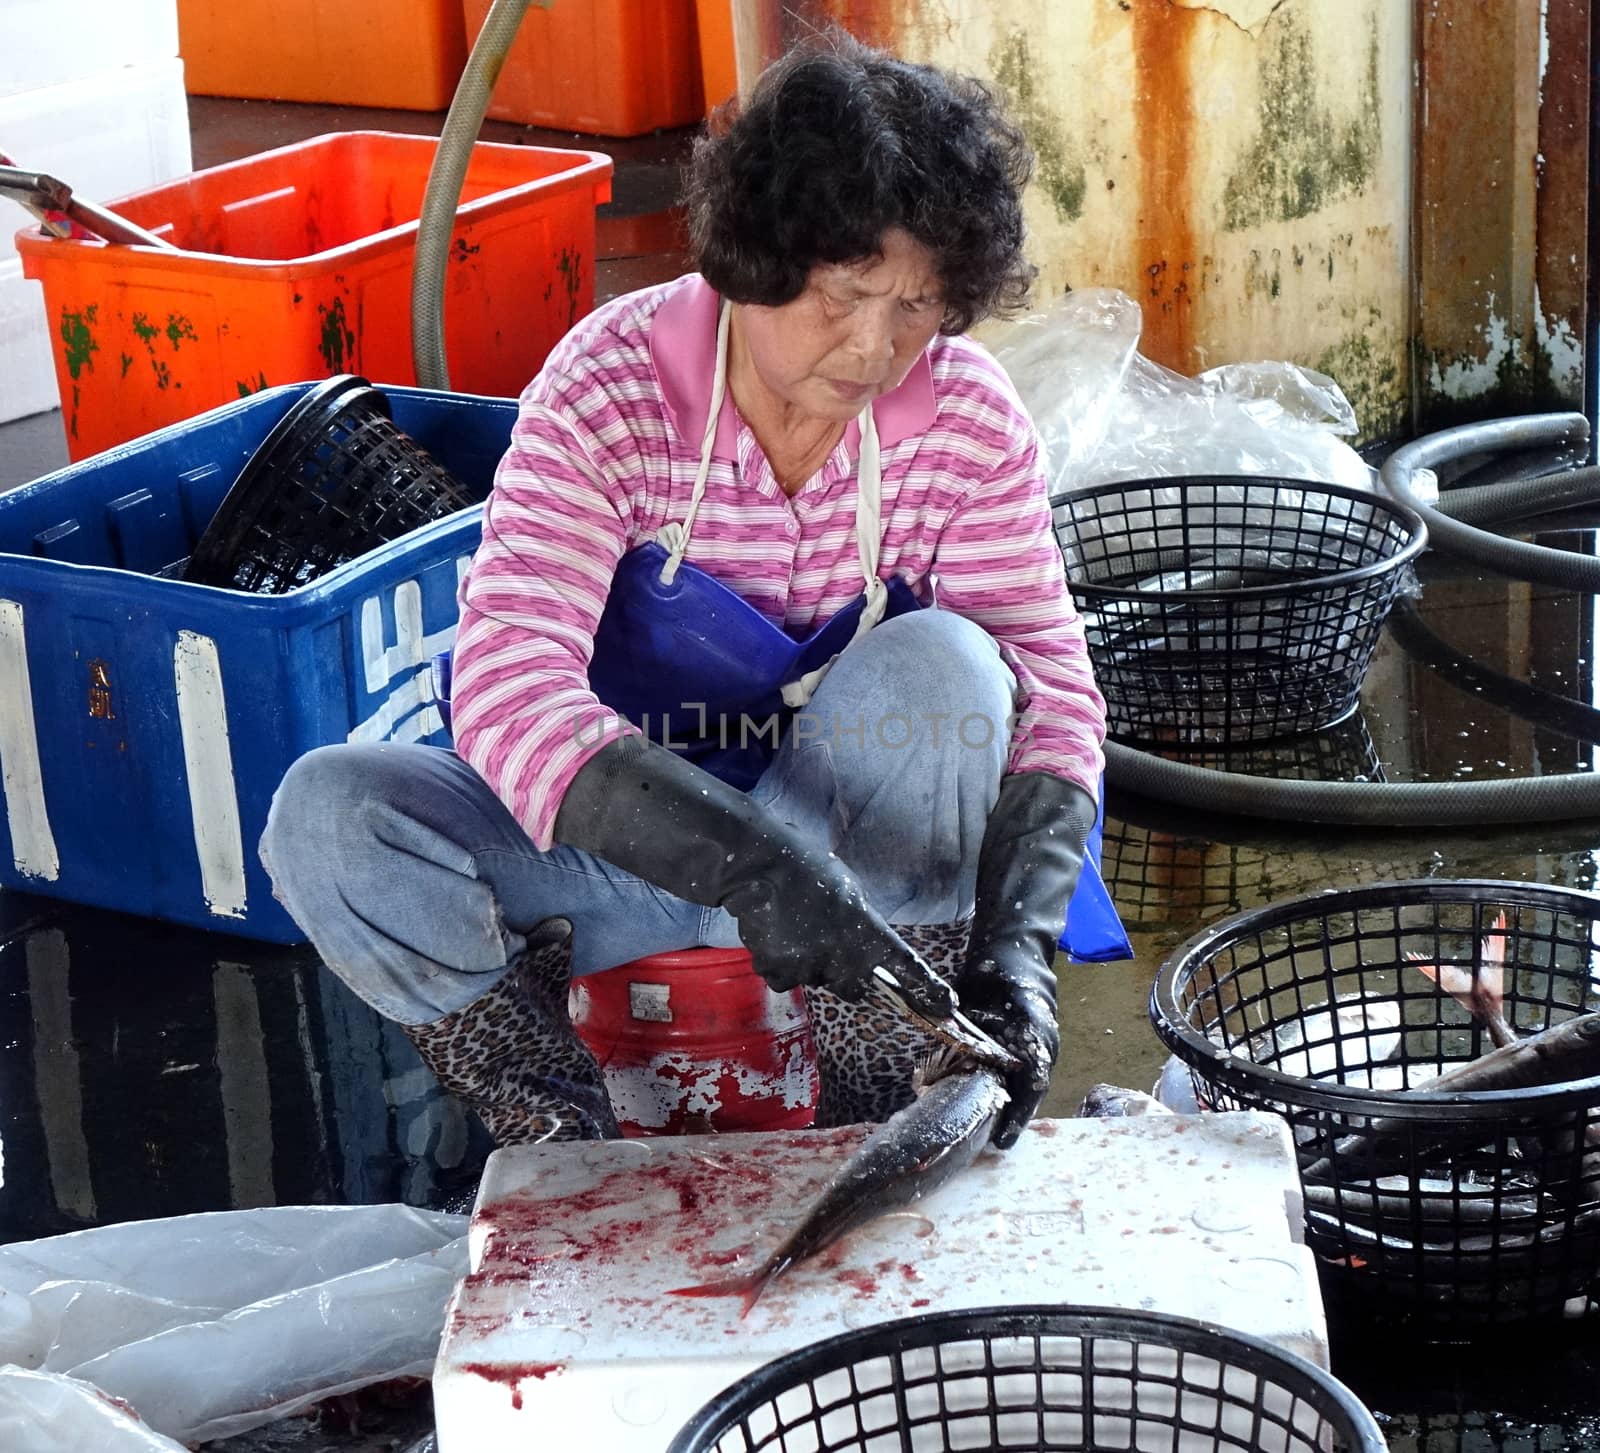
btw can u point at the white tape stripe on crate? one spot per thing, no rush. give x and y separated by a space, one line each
208 758
403 701
33 845
412 649
382 666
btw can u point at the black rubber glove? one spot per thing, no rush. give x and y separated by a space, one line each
800 911
1027 869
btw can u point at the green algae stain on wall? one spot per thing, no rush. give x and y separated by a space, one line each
1304 156
1058 169
1371 377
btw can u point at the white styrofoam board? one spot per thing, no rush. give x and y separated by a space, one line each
566 1330
27 369
48 41
105 136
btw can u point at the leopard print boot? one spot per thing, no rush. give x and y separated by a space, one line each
513 1056
867 1054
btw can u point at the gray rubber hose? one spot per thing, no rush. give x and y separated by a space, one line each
1453 537
1520 801
443 193
1408 804
1521 499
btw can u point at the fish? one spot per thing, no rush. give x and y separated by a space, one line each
1569 1050
1480 993
1353 1034
1113 1102
1428 1204
1495 1250
917 1150
1566 1051
1367 1034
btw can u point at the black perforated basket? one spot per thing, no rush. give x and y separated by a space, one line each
1041 1379
1446 1212
1224 609
333 479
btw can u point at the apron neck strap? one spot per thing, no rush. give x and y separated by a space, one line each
869 480
675 535
869 506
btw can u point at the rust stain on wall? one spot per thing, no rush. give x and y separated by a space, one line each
1168 267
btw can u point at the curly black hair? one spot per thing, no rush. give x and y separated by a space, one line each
838 144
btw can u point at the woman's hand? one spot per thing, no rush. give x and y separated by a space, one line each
1027 869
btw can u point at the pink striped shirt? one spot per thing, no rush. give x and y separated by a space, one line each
604 453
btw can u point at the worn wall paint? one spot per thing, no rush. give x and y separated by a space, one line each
1242 167
1477 331
1502 198
1561 216
1248 15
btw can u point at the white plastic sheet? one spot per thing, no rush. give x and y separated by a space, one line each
1105 412
42 1412
209 1325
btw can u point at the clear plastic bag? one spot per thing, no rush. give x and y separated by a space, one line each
209 1325
1105 412
44 1412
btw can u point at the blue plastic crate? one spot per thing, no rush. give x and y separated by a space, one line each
145 722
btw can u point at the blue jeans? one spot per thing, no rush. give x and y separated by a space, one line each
416 885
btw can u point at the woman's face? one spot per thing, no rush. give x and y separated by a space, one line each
852 335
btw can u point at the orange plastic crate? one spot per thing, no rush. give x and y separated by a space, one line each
296 264
406 53
719 67
602 67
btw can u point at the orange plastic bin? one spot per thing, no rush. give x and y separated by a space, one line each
719 65
296 264
604 67
407 53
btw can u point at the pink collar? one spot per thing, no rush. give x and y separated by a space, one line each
683 346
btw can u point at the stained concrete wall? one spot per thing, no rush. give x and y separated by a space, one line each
1249 170
1241 167
1502 180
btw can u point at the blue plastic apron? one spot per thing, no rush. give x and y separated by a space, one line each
688 660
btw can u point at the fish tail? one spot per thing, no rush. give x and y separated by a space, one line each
748 1288
1489 985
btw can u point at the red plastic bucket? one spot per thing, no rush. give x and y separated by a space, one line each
695 1041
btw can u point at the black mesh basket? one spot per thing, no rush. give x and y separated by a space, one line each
1039 1379
1224 609
333 479
1445 1212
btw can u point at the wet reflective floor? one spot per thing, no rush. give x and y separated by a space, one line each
151 1071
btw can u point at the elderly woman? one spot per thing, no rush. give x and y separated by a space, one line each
781 515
